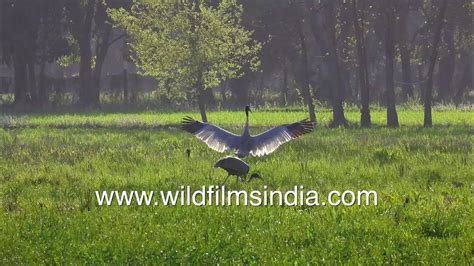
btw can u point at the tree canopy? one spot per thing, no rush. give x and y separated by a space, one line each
186 43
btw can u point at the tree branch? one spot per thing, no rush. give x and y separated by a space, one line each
116 39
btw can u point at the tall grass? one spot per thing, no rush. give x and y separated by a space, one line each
226 118
48 212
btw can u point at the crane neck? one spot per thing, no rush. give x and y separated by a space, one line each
246 128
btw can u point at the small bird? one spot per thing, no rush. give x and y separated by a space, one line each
254 176
188 153
233 166
265 143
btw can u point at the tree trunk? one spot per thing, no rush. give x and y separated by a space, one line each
20 77
365 120
346 90
284 89
223 91
428 121
304 62
42 93
201 97
85 74
421 77
464 79
392 117
336 73
33 89
125 86
407 86
101 52
447 64
325 35
404 46
85 65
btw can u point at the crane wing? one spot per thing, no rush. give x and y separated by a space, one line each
270 140
215 137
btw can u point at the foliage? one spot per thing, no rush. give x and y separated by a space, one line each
73 56
177 41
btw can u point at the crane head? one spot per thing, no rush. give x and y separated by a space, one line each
247 109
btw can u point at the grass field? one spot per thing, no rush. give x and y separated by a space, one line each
229 119
50 166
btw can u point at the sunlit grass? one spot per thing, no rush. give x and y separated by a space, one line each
258 118
48 176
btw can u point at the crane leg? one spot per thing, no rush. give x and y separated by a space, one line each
225 180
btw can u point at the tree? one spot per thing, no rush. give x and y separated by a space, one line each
274 25
19 30
461 16
51 42
31 35
190 44
402 8
392 117
103 35
305 75
428 121
81 15
447 63
323 25
365 120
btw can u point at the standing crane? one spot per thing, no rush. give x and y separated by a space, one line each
235 166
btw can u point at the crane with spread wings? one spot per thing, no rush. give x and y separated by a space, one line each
262 144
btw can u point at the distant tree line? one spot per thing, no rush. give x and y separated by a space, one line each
36 32
300 51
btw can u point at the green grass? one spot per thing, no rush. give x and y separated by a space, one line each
258 118
48 212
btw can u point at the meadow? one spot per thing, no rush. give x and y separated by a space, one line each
51 164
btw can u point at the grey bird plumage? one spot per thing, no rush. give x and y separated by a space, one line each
236 167
265 143
233 166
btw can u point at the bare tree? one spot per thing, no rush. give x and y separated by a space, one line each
305 80
365 120
428 120
392 117
403 9
81 15
323 25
